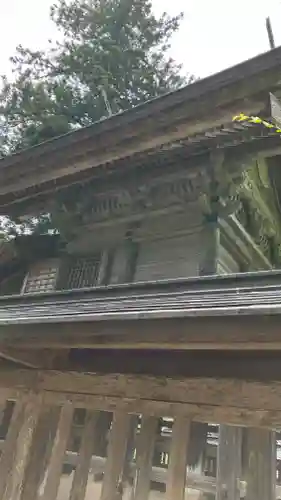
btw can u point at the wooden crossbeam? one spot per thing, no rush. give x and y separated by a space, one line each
223 333
229 401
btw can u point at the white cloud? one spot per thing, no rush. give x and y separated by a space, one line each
215 33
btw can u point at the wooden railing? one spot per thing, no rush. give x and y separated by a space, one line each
38 446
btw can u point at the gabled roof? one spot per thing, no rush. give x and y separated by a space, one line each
187 117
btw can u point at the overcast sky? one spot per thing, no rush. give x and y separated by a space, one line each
215 34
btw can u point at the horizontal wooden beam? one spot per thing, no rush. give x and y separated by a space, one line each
229 401
253 365
218 332
30 359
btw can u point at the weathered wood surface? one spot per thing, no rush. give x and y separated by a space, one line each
259 366
243 294
54 468
176 480
229 463
80 479
112 487
40 451
157 474
17 445
191 109
35 450
232 333
230 401
144 456
260 466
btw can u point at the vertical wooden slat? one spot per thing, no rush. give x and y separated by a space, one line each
53 473
17 445
260 473
40 451
144 456
3 404
176 479
117 448
229 462
80 479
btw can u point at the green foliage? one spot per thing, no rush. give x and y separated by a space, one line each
112 56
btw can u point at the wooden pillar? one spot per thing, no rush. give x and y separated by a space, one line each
177 468
104 420
123 266
17 445
229 462
211 244
40 451
54 469
144 456
112 487
80 480
260 464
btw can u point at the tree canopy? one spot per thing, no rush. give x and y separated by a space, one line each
111 55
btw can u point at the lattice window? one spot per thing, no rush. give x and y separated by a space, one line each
41 277
81 272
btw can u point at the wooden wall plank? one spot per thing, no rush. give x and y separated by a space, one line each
260 466
144 456
54 469
40 451
229 463
17 445
80 480
176 481
113 477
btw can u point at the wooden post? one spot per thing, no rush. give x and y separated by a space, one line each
54 469
176 481
17 445
260 464
229 463
104 420
144 457
112 483
211 239
40 451
80 480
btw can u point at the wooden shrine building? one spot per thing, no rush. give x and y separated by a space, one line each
140 338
